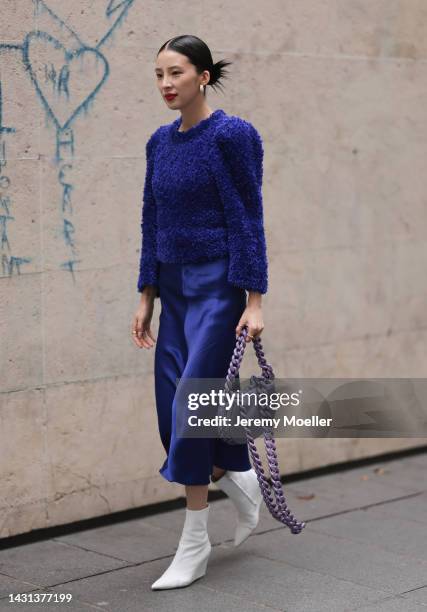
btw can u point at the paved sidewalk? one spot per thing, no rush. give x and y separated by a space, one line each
364 548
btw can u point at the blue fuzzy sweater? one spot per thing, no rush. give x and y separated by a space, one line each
202 200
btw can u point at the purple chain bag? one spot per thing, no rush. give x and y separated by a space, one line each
278 507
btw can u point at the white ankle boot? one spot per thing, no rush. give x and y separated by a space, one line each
243 490
191 557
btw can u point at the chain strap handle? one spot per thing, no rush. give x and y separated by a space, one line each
278 507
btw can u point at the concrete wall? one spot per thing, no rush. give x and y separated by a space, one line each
337 91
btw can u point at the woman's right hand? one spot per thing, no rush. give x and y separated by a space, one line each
143 337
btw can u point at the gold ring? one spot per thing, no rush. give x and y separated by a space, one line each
249 336
134 332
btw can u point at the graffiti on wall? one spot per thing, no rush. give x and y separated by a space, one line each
67 74
10 264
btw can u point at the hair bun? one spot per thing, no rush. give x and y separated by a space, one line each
217 71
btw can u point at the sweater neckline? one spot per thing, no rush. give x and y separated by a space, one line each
195 129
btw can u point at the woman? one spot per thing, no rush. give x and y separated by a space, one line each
203 247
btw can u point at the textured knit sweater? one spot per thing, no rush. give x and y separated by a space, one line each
202 200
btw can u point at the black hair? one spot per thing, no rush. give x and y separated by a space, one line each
199 54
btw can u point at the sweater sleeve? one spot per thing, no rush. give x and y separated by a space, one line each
148 265
239 179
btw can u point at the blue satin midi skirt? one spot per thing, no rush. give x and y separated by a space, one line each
199 314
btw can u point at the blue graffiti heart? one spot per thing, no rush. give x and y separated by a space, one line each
65 81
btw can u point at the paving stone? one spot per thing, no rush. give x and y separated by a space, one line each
390 604
279 584
49 562
395 534
129 590
12 585
418 595
362 563
131 541
411 508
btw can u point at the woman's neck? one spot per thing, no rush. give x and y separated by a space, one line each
191 117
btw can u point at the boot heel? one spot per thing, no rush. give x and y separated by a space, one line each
204 565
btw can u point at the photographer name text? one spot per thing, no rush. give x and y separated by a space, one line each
287 421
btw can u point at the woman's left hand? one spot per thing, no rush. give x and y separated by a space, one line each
252 317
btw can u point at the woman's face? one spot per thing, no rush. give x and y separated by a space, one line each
175 74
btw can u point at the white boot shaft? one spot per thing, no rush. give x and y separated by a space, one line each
244 491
